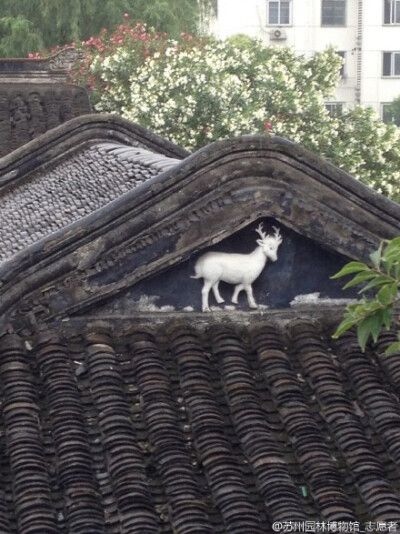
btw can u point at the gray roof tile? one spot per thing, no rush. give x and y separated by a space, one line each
71 188
175 429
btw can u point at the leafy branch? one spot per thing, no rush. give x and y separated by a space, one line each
380 294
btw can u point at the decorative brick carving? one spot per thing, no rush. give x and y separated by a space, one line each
65 59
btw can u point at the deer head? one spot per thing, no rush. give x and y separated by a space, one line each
269 243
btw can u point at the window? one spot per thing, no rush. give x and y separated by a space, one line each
391 64
334 108
333 13
391 14
388 114
278 12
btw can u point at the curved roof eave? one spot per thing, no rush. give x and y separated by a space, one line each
208 196
75 132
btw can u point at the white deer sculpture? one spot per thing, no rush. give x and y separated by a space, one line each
238 269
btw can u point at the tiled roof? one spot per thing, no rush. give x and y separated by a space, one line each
71 188
36 97
174 429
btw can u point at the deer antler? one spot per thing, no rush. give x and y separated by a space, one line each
260 231
277 234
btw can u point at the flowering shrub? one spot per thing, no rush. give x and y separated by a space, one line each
215 91
110 58
113 57
367 148
194 91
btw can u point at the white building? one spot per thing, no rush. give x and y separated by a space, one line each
366 32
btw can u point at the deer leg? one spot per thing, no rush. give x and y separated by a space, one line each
217 294
236 292
250 296
204 296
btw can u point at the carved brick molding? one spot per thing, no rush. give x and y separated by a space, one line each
65 59
54 68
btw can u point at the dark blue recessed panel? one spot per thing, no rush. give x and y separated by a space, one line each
303 267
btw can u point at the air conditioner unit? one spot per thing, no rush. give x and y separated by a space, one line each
278 34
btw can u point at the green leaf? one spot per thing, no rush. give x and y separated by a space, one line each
393 348
390 261
376 256
359 279
394 288
351 308
392 245
388 266
379 280
392 251
387 315
386 294
345 325
396 272
376 325
350 268
371 306
371 325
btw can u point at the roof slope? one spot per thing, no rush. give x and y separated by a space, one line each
173 429
71 188
71 172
